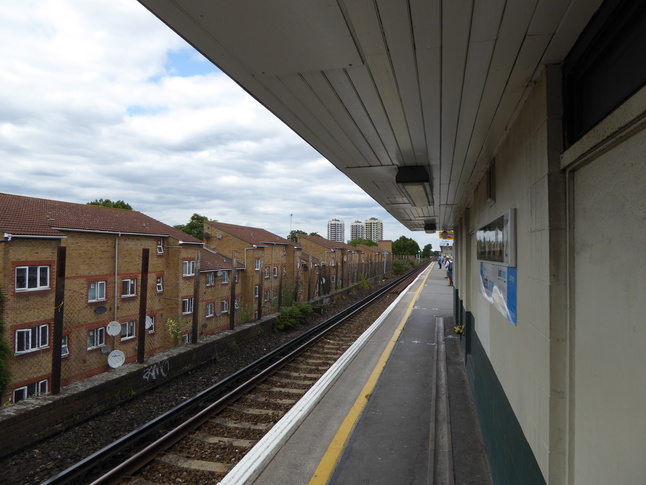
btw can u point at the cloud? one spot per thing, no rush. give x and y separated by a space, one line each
101 100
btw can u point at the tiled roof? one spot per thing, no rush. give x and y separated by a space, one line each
252 235
212 261
26 216
372 249
321 241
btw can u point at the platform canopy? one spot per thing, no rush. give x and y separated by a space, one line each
408 98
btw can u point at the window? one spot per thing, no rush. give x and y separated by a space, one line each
224 306
186 338
266 295
256 291
34 389
32 339
160 284
187 305
65 348
128 329
96 291
275 271
128 288
266 272
160 246
150 323
225 277
210 309
96 338
257 264
210 278
333 279
32 278
236 304
236 277
188 268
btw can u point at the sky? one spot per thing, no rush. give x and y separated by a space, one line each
101 100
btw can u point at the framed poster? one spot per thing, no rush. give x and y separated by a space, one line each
498 286
496 241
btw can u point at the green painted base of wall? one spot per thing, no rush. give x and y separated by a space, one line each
511 459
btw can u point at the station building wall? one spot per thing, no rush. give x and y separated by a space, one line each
560 395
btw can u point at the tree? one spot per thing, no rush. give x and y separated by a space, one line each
427 251
405 246
195 227
293 236
315 234
365 242
119 204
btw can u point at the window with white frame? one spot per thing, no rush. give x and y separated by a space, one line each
266 295
187 305
210 278
160 284
186 338
151 323
96 291
65 347
236 304
128 287
256 291
257 264
188 268
333 279
275 271
266 272
128 329
210 310
225 277
160 246
32 278
96 338
32 339
224 306
34 389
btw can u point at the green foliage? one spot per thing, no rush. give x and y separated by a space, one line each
399 266
245 313
364 283
290 316
293 236
195 227
289 294
174 328
365 242
315 234
5 352
405 246
427 251
118 204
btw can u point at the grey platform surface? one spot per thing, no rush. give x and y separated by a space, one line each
393 440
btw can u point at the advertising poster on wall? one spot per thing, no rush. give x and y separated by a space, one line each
498 286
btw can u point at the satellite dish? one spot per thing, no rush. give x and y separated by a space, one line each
219 236
116 358
113 328
149 322
105 349
100 310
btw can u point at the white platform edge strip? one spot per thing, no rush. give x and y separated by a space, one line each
254 461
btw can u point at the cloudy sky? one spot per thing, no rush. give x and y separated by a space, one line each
99 99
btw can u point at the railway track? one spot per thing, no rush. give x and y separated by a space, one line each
218 426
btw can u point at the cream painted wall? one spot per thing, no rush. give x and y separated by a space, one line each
520 354
609 381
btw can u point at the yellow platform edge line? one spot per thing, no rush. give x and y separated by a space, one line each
333 453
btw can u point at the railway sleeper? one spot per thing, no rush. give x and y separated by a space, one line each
240 424
217 440
192 464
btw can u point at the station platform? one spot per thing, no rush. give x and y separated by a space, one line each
395 409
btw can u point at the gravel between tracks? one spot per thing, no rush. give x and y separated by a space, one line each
43 460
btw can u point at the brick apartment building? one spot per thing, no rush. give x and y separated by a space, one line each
102 285
274 272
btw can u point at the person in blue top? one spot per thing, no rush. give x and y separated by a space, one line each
440 261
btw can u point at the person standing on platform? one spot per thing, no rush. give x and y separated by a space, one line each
449 270
440 261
